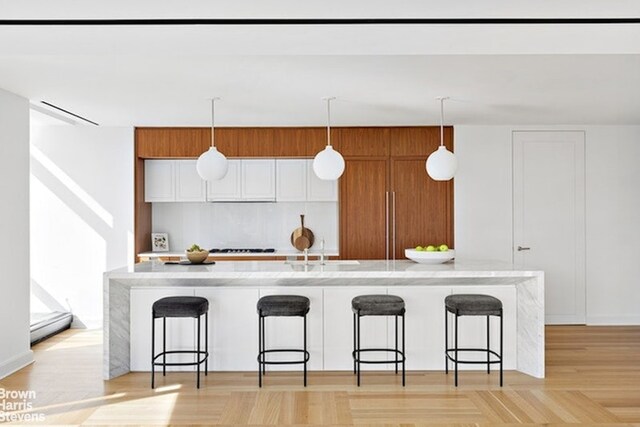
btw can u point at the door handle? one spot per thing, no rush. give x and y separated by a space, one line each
394 225
520 248
386 222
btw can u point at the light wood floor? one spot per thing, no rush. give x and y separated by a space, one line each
593 377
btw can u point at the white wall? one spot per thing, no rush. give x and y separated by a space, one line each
81 215
244 225
14 229
483 210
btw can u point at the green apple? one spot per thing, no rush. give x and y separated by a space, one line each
431 248
419 248
443 248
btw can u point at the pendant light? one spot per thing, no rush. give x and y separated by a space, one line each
212 165
442 163
328 164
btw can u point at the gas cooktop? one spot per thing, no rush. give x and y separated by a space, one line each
242 251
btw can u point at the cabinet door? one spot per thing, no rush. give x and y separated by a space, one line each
180 332
287 332
363 209
228 188
189 186
230 311
320 190
291 180
423 207
258 179
159 181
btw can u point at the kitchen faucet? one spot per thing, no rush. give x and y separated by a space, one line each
322 252
306 256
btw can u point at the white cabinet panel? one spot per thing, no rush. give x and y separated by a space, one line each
231 311
159 177
287 332
229 187
180 332
189 186
291 180
338 326
424 320
473 328
319 190
258 179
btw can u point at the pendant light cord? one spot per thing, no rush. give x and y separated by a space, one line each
442 121
213 121
329 99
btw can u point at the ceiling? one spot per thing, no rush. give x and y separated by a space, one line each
381 75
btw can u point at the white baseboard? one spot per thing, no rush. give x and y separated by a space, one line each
16 363
560 319
613 320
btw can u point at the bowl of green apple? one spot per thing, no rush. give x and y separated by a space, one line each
430 254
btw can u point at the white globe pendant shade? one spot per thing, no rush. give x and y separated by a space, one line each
212 165
328 164
442 164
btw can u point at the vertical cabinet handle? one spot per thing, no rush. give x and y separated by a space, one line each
394 225
386 225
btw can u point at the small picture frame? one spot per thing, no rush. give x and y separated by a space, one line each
159 242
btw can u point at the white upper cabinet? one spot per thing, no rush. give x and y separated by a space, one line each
229 187
258 179
282 180
189 186
319 190
159 179
291 180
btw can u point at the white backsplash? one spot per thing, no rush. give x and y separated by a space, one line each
245 225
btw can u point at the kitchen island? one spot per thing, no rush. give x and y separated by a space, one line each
233 288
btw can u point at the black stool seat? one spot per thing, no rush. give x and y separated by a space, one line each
180 307
473 305
378 305
283 305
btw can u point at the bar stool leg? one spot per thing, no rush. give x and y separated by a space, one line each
198 355
206 344
355 356
501 331
260 351
164 346
153 350
404 357
358 350
446 342
305 349
396 318
456 351
488 345
264 346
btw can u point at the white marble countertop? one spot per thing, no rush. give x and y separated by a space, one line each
278 253
282 270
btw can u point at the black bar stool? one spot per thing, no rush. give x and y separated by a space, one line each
281 306
179 307
377 305
471 305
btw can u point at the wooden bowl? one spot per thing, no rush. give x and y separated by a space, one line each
197 257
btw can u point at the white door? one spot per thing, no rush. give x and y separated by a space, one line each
189 186
549 217
259 179
291 180
159 180
228 188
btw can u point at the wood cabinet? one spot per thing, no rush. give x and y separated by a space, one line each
363 209
387 201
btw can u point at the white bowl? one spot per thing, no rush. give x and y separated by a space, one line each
424 257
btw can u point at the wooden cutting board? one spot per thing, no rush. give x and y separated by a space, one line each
302 238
